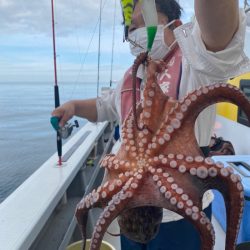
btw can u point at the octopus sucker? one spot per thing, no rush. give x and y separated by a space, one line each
160 165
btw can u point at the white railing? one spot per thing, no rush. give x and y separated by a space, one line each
24 213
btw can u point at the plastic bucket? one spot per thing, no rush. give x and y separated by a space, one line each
78 246
243 246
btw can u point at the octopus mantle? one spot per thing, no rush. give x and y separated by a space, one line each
161 166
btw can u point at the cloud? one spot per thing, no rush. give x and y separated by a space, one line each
26 39
34 17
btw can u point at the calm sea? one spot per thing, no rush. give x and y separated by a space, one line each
26 136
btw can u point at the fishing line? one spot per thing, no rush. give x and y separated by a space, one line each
99 50
58 58
113 45
84 56
73 10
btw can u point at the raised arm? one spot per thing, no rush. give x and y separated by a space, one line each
218 21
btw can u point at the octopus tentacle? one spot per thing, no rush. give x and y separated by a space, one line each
224 179
97 198
195 166
130 135
205 227
172 123
115 165
153 101
187 111
209 171
185 164
134 141
180 203
128 127
173 191
229 184
139 60
200 99
82 223
113 209
144 138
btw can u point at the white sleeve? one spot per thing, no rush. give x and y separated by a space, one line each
107 105
225 64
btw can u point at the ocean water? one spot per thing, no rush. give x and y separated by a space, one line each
26 137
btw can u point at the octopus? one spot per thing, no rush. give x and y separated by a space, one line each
160 165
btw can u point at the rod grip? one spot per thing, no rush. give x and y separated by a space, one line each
57 100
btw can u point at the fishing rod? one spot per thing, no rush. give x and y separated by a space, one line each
56 90
64 132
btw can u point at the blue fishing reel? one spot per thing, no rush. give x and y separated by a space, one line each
66 130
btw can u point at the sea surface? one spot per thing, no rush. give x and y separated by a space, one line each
27 139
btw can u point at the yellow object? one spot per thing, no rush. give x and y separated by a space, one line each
127 7
229 110
78 246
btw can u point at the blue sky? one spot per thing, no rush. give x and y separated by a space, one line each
26 42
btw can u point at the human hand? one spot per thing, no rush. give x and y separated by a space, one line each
65 112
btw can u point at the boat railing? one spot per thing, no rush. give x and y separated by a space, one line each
39 214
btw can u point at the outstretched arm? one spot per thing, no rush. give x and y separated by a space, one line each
82 108
218 21
95 110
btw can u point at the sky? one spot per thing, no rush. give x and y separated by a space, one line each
26 53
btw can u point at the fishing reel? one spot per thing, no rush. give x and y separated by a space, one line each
66 130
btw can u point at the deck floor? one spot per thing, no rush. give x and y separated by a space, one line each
219 234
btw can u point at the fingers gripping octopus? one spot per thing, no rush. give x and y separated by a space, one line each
160 165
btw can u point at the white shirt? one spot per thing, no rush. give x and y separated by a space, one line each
200 67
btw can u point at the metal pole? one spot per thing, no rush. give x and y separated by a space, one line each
99 48
113 43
